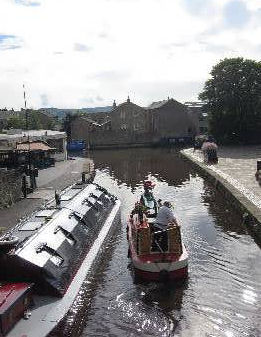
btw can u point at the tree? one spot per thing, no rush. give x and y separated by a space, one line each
34 122
19 121
15 122
232 98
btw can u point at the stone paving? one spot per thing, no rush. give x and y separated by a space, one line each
63 174
237 165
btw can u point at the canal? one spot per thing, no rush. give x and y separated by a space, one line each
221 296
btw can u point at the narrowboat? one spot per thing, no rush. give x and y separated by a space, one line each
45 259
157 255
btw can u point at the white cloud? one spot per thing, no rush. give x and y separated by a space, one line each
74 53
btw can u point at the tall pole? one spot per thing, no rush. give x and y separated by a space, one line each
24 97
26 115
30 171
27 127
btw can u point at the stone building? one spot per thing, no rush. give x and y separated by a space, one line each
200 118
130 124
128 117
127 124
171 122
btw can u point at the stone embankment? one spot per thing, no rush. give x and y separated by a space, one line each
10 187
234 176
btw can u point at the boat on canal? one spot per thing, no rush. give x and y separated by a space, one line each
156 254
45 259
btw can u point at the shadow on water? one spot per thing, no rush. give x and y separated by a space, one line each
226 217
74 323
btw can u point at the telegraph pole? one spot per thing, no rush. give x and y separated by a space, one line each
26 117
29 164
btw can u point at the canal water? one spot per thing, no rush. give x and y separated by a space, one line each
222 295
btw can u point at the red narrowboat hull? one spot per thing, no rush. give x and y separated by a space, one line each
155 265
157 276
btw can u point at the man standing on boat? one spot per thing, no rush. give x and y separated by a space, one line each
165 216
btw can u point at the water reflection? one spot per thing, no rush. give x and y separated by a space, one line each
226 217
133 166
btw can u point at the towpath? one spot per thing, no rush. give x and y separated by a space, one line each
63 174
236 167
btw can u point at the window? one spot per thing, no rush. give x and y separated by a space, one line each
122 114
136 127
135 113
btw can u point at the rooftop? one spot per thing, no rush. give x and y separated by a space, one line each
33 146
156 105
31 133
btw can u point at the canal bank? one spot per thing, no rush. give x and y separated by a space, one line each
49 180
234 177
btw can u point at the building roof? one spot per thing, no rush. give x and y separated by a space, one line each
4 149
197 104
156 105
126 104
159 104
91 121
33 146
32 133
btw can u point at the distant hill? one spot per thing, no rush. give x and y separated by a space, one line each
60 113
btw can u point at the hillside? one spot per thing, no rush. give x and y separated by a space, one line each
60 113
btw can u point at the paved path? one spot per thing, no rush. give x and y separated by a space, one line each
237 165
54 178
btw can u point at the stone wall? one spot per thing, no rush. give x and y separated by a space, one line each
107 138
10 187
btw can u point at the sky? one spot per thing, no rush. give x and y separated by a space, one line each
87 53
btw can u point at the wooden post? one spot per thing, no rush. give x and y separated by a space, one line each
144 241
174 239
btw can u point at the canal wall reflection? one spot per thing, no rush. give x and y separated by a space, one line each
132 166
226 218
